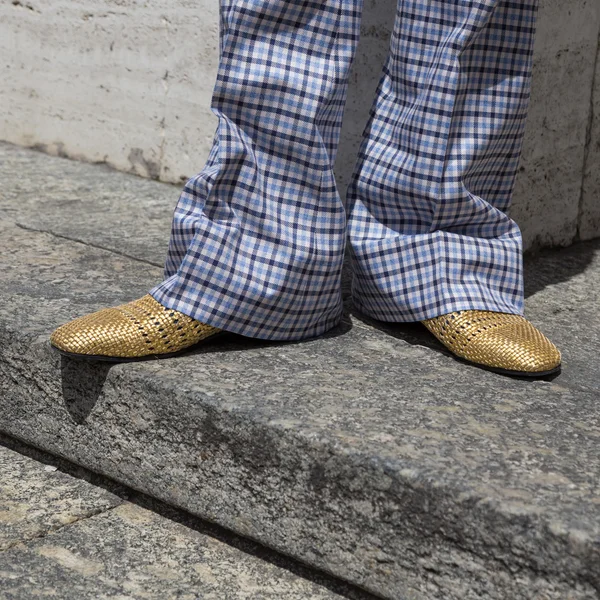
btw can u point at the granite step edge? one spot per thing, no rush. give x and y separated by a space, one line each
68 533
275 471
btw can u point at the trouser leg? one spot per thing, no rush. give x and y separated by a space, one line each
258 236
428 228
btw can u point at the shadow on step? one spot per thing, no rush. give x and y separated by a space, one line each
83 380
82 384
551 267
253 548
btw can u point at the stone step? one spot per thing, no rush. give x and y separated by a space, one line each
369 453
63 537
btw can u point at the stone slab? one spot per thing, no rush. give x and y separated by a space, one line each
130 216
369 452
548 189
120 82
129 83
36 499
108 209
131 553
62 537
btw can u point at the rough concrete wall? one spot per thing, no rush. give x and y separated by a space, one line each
548 191
589 224
128 82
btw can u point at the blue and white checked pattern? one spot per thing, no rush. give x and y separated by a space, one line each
258 236
436 169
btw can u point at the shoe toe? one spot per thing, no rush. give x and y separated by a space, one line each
137 329
499 341
103 333
519 347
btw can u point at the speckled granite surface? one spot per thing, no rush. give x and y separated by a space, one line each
370 452
65 538
36 499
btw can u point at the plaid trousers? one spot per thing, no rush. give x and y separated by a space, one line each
258 236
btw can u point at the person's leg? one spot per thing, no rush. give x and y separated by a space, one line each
428 227
258 236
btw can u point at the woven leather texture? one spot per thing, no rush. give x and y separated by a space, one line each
498 340
140 328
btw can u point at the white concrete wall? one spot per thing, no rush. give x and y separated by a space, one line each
548 196
128 82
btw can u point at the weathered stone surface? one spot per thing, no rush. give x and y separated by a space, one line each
42 189
130 552
61 538
368 452
36 499
589 221
564 296
129 83
122 82
548 190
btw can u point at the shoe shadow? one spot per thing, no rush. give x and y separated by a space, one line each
82 384
558 265
83 380
232 342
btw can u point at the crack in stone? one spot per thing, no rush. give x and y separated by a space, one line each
57 528
19 4
89 244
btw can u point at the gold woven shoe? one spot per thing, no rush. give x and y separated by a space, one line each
140 329
501 342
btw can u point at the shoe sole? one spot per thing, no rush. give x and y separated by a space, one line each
520 374
126 359
525 374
